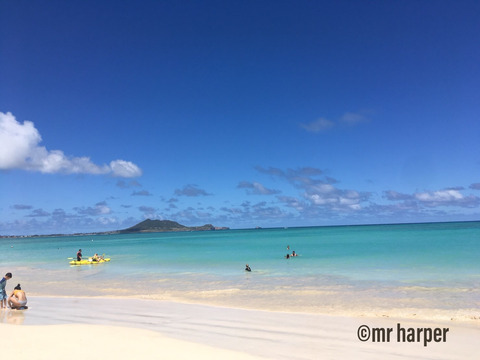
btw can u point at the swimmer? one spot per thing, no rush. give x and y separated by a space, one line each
247 268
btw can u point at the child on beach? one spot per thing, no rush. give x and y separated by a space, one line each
17 299
3 293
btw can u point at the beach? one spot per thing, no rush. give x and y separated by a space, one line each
368 292
279 180
56 327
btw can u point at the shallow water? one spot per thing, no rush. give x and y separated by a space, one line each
426 267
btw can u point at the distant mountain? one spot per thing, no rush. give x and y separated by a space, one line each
142 227
166 225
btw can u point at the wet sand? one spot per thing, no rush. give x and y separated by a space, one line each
55 327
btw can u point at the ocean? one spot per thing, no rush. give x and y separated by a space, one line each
404 270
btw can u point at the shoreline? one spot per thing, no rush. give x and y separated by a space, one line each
412 303
295 304
217 331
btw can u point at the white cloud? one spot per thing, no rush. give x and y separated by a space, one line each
100 208
318 190
447 197
336 199
122 168
107 220
440 196
431 199
319 125
17 141
20 149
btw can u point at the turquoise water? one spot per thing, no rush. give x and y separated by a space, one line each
421 265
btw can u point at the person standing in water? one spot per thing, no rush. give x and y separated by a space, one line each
79 255
3 293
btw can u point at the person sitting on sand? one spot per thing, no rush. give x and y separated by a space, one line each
79 255
247 268
3 293
18 299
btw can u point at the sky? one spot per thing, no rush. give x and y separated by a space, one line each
237 113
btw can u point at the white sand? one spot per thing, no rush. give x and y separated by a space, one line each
55 328
102 342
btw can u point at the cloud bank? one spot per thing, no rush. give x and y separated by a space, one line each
20 149
318 191
439 198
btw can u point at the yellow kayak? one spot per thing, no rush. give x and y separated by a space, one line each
88 262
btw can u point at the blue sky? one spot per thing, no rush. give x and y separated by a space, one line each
237 113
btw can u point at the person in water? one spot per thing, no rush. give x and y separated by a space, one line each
97 258
247 268
79 255
17 299
3 293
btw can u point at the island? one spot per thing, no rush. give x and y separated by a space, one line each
165 226
146 226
